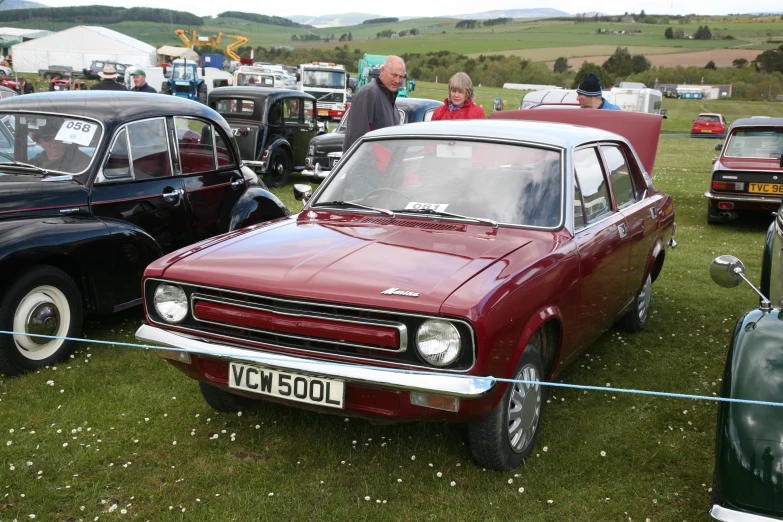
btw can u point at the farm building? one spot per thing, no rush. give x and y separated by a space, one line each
77 47
10 36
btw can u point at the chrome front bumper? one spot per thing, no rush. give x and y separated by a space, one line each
463 386
313 174
729 515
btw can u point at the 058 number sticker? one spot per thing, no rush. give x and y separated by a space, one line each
76 131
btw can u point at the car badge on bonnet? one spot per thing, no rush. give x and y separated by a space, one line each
397 291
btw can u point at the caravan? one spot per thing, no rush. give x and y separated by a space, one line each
628 99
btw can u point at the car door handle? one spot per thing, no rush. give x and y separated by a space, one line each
238 184
174 196
653 213
622 230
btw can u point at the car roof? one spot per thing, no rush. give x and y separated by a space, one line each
415 103
555 134
270 92
757 122
709 114
111 107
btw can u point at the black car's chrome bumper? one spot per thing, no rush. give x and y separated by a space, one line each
463 386
729 515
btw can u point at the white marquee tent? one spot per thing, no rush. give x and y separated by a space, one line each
77 47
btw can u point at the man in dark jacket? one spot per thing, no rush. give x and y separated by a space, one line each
373 106
108 80
140 82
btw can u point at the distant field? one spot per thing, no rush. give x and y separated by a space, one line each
721 57
543 40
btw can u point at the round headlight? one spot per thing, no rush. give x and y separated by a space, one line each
438 342
171 303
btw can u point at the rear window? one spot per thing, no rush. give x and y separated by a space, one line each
707 117
237 106
756 143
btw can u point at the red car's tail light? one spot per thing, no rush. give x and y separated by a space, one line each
728 185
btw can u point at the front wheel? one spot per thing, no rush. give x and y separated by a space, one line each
165 88
222 400
505 438
279 167
43 301
636 319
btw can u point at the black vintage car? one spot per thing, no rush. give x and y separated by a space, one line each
325 150
93 187
272 127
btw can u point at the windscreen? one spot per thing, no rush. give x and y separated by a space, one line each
54 143
511 184
323 79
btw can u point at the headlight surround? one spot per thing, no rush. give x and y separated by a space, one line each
171 302
438 342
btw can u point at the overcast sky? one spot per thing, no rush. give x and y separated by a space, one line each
406 8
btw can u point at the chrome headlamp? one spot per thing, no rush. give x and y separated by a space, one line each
438 342
171 302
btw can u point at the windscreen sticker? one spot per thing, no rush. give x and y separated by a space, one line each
435 207
76 131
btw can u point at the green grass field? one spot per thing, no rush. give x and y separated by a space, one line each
438 34
116 432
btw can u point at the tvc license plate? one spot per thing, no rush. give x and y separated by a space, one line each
312 390
766 188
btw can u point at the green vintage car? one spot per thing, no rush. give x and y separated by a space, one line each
748 480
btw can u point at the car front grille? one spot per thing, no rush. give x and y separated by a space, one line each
295 326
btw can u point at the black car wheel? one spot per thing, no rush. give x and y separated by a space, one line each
223 401
202 93
506 437
165 88
636 319
45 301
279 167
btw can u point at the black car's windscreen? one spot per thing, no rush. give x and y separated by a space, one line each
756 143
63 144
512 184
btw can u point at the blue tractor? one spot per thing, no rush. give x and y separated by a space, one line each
182 80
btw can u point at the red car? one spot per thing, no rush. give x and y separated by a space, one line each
435 257
709 125
748 174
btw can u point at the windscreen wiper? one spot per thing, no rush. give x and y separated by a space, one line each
434 212
23 164
351 204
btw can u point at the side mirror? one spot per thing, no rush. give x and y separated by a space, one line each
727 271
302 192
719 146
167 72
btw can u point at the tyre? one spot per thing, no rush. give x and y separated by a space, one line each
47 76
44 300
279 167
636 319
715 496
505 438
201 91
223 401
56 76
165 88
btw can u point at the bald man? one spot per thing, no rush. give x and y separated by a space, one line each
373 106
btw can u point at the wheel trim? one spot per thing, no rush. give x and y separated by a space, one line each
277 168
44 310
524 409
643 300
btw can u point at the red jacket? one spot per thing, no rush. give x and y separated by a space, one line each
468 111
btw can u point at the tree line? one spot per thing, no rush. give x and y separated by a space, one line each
381 21
261 19
100 14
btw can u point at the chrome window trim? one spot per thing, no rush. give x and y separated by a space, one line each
130 151
466 323
402 330
179 152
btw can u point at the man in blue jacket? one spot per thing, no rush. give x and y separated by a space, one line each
590 95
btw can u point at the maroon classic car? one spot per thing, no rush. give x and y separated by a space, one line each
434 257
748 175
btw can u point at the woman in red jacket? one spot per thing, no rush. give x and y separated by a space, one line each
459 105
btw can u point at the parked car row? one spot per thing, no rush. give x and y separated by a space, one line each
482 246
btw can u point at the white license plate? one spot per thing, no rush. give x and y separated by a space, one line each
333 161
291 386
